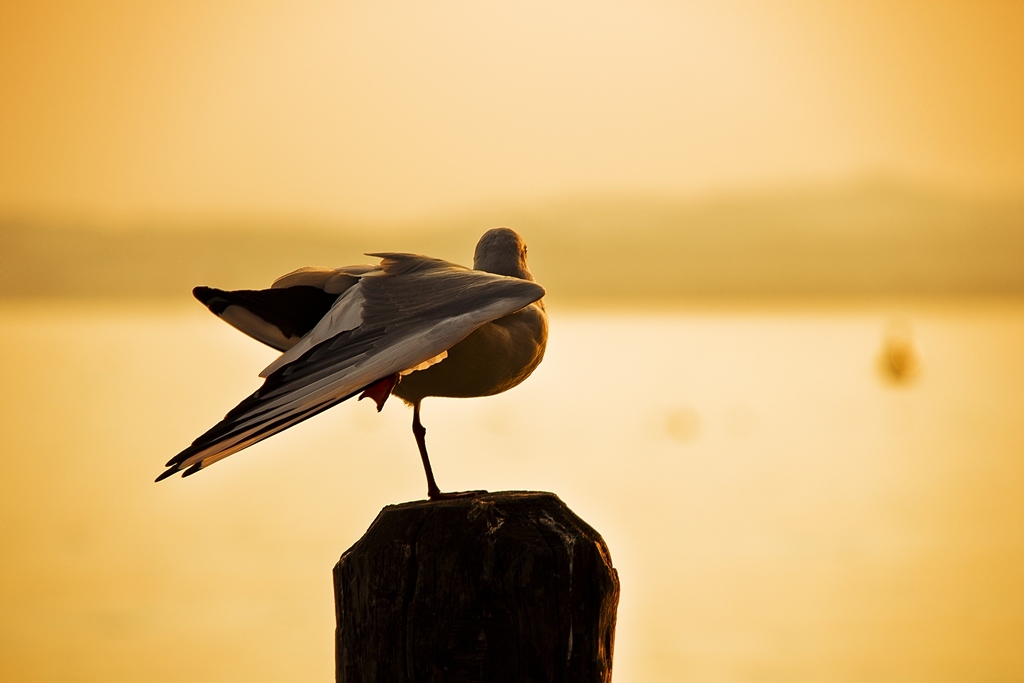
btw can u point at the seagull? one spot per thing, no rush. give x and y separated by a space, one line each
412 326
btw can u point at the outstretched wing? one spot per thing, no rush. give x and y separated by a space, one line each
281 315
393 319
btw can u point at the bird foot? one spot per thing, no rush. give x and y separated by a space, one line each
440 495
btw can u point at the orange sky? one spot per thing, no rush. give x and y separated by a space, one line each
383 111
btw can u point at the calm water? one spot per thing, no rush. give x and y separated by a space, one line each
778 511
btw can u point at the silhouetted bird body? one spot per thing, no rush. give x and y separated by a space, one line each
413 326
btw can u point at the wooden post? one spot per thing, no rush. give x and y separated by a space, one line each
499 587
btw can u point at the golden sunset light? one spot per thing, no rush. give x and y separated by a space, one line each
389 111
781 246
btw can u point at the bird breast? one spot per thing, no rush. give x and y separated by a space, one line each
493 358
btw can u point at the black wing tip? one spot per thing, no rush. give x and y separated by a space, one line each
171 471
183 456
192 470
212 298
166 473
174 464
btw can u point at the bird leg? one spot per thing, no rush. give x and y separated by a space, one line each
433 493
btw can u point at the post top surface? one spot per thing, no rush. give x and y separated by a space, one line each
478 497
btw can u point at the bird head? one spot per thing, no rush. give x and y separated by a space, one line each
503 252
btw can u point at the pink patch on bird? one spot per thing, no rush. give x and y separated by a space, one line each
380 390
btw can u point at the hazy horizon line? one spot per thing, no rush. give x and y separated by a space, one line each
260 219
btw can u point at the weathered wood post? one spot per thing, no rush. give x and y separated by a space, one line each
498 587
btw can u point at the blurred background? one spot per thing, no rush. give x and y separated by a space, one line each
783 245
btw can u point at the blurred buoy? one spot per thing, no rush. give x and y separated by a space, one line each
899 362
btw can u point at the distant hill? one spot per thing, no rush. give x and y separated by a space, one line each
863 241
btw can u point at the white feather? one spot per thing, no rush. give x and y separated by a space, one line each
425 364
256 327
